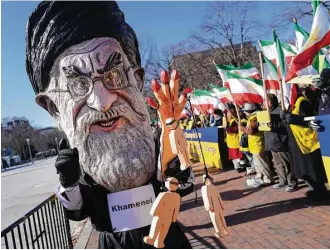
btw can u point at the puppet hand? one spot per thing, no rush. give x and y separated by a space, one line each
167 94
67 164
169 107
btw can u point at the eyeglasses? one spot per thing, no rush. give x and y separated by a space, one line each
81 87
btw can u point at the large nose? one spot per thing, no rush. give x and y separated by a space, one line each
101 98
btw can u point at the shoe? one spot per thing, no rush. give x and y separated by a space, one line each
240 170
253 182
290 189
259 181
278 185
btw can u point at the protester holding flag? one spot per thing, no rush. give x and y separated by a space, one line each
276 141
305 147
256 147
232 136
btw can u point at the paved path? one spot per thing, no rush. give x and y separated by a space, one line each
257 217
24 188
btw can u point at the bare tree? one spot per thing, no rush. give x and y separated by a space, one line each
226 30
301 10
15 138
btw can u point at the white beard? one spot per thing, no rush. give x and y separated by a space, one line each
118 160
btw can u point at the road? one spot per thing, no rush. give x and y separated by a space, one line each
24 188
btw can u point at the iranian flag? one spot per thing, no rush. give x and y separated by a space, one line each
203 101
301 37
247 70
289 90
270 76
318 38
245 89
222 93
269 50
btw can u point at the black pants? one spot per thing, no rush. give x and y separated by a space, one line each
175 239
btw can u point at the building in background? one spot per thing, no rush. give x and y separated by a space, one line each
14 121
197 69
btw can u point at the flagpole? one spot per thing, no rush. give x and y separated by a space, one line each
282 96
276 40
263 81
236 108
235 104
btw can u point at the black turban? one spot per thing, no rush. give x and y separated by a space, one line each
54 26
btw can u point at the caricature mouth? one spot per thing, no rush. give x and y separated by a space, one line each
105 125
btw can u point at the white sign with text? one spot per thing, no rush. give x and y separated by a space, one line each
130 209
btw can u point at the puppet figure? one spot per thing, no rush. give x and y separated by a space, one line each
178 142
84 65
165 211
214 205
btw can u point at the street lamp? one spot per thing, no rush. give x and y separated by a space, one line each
28 143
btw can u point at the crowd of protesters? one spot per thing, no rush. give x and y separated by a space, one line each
290 149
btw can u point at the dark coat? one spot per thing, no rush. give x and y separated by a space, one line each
95 206
305 166
277 139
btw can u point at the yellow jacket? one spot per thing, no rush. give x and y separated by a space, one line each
306 138
240 136
256 141
232 138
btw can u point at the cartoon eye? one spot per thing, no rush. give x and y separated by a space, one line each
112 79
80 86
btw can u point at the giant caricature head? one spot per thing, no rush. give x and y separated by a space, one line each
83 62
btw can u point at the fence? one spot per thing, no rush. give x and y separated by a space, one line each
45 226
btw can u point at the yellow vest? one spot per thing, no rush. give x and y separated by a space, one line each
240 136
306 138
256 141
232 138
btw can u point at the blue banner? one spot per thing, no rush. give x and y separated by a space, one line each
324 139
209 143
205 134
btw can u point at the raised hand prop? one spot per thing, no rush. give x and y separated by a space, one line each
165 211
169 108
214 205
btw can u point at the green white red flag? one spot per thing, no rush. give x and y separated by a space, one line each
245 89
269 50
270 76
222 93
289 90
203 101
247 70
319 37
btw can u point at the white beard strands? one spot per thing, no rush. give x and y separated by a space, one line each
118 160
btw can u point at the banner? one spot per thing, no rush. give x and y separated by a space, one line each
210 146
324 136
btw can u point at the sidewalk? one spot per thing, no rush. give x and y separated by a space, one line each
257 217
